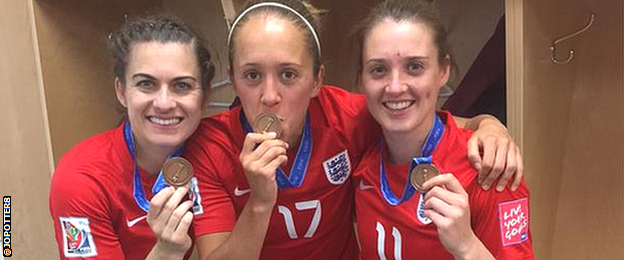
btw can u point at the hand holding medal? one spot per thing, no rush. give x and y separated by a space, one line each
170 212
261 155
446 203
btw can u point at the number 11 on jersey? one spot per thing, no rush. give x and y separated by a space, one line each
381 241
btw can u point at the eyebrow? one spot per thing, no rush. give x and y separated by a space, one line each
382 60
148 76
285 64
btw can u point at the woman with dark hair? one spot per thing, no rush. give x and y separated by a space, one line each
101 190
422 199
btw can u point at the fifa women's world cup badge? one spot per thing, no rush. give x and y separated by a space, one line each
77 238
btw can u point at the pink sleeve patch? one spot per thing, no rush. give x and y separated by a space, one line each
514 221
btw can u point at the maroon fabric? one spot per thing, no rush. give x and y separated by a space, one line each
483 89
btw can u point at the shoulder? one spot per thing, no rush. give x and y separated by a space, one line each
451 153
216 142
87 174
369 161
338 100
95 158
346 113
217 131
459 136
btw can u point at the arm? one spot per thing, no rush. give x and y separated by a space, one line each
493 152
260 157
447 205
80 211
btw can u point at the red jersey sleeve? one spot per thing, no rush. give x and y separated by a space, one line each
499 219
82 218
209 154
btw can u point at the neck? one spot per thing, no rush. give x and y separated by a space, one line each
403 146
151 158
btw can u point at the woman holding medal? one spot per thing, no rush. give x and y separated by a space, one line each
409 210
100 193
274 173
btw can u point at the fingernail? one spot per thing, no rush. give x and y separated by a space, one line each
272 134
500 188
478 166
486 187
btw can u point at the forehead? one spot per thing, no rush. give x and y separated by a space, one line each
268 34
404 37
158 56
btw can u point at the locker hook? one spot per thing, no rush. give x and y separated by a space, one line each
553 49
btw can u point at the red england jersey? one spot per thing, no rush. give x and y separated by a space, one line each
92 205
499 219
313 221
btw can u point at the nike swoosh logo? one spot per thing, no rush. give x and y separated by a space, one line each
364 186
133 222
239 192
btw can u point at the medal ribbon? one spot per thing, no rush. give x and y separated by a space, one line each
138 192
432 141
302 159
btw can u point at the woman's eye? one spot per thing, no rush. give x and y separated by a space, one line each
145 85
252 76
182 87
377 71
414 67
289 75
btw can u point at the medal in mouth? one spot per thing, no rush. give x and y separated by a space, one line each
267 123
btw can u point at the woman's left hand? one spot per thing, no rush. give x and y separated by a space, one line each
446 203
493 152
170 221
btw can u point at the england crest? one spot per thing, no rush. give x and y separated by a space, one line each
77 237
338 168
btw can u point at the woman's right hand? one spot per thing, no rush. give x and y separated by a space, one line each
170 221
260 157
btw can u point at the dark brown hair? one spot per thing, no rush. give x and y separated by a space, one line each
160 28
425 12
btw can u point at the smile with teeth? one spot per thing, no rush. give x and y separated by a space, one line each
165 121
397 105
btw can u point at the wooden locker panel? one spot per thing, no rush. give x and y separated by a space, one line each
339 52
591 194
25 152
77 66
208 18
573 129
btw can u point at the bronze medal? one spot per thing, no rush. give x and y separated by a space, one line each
266 123
177 171
421 173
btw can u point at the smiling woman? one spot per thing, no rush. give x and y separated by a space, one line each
163 100
101 190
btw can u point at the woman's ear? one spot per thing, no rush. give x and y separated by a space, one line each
445 70
230 73
119 91
318 81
